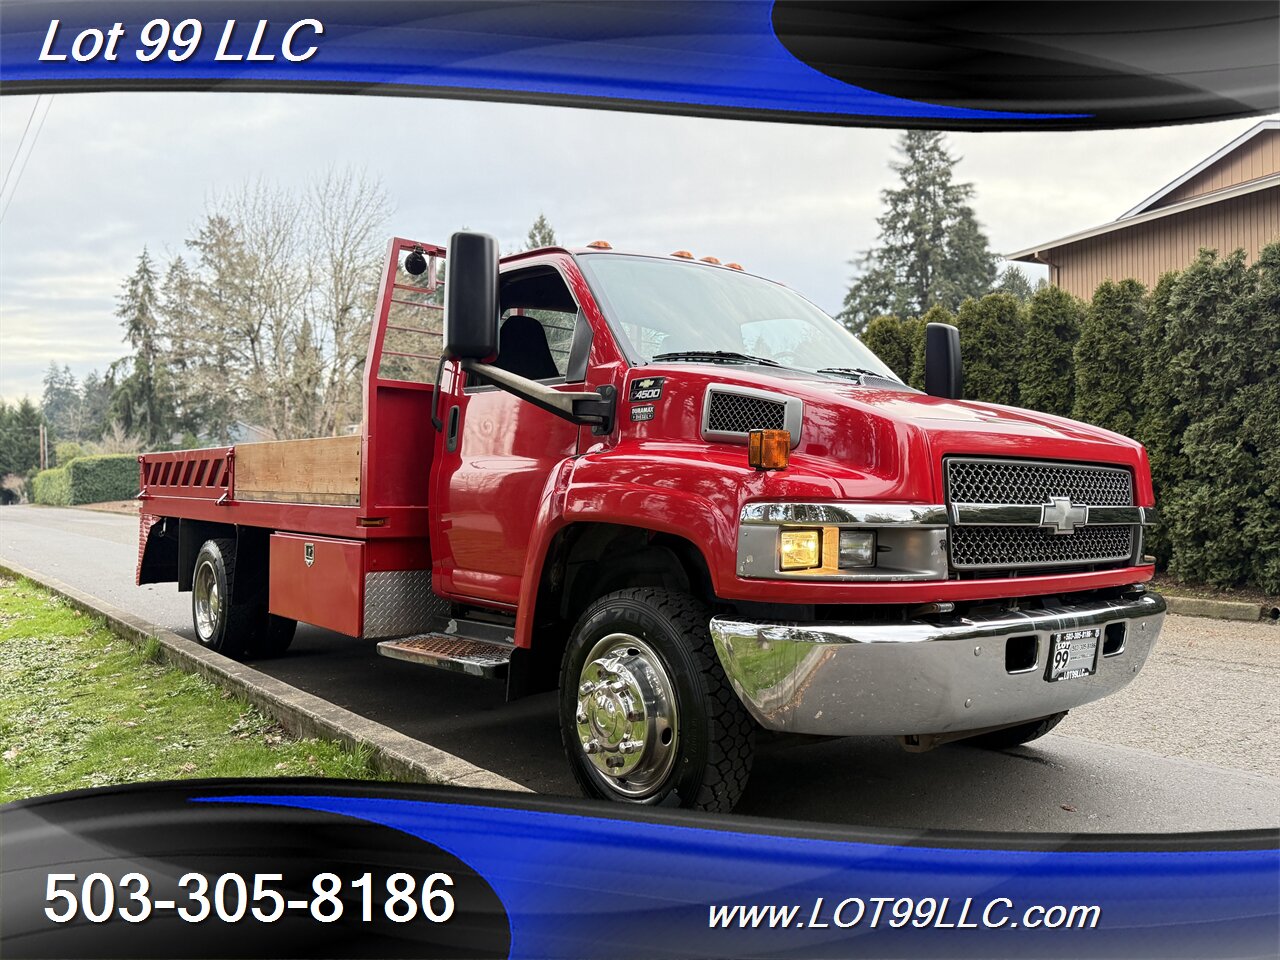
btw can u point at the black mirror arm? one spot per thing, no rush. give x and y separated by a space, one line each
594 409
435 397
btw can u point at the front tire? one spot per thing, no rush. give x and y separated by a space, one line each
1016 736
646 713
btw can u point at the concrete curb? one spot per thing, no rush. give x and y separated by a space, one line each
301 713
1222 609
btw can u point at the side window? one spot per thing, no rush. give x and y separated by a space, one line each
558 328
542 334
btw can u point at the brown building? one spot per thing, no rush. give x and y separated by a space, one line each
1228 201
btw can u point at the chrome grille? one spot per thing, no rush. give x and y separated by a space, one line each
1014 481
1017 547
995 548
737 413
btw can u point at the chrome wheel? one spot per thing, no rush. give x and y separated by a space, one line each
626 716
208 601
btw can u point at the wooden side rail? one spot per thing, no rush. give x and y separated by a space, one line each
324 471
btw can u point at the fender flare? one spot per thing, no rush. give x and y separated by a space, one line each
681 514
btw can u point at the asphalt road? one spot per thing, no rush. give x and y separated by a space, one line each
1191 744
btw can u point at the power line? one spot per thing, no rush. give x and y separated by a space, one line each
30 150
21 140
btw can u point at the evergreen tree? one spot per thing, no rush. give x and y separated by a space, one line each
991 339
1108 371
1046 380
19 438
140 401
540 234
1258 341
7 440
95 405
1224 513
1162 420
61 402
931 250
891 340
191 356
1015 283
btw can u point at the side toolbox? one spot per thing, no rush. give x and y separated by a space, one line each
357 587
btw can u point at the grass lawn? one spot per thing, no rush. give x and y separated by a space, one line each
81 707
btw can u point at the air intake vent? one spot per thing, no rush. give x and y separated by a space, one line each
734 413
730 413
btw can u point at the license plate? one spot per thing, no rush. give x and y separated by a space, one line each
1073 654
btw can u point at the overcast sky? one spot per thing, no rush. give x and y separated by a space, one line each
112 172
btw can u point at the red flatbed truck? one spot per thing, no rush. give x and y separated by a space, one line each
689 500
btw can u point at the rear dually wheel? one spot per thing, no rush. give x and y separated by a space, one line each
221 625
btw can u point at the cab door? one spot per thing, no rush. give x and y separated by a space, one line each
496 451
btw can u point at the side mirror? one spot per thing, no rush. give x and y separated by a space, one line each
943 374
471 297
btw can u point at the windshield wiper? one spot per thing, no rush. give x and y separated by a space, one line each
856 371
716 356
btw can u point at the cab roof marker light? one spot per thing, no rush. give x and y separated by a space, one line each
711 260
600 245
734 266
683 254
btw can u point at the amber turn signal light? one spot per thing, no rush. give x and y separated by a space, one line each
769 449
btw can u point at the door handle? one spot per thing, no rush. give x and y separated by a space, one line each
451 440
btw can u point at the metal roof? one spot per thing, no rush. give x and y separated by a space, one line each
1205 164
1239 190
1143 213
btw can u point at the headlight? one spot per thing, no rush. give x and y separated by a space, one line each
799 549
857 548
843 541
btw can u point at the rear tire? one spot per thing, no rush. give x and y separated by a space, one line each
272 636
221 625
1016 736
646 713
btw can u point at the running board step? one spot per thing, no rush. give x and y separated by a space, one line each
478 658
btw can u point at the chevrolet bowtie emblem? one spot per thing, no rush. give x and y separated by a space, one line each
1062 515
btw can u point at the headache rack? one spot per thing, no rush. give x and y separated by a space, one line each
368 488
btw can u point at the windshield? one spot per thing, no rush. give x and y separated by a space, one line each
664 307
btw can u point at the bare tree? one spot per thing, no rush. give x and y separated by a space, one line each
270 321
118 440
348 210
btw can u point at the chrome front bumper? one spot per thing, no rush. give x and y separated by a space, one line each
841 679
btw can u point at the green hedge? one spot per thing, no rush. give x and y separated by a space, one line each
893 342
1108 358
52 487
88 480
1047 378
991 344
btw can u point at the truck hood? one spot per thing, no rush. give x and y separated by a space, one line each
889 433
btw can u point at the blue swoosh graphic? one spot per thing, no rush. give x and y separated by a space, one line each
714 55
580 885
